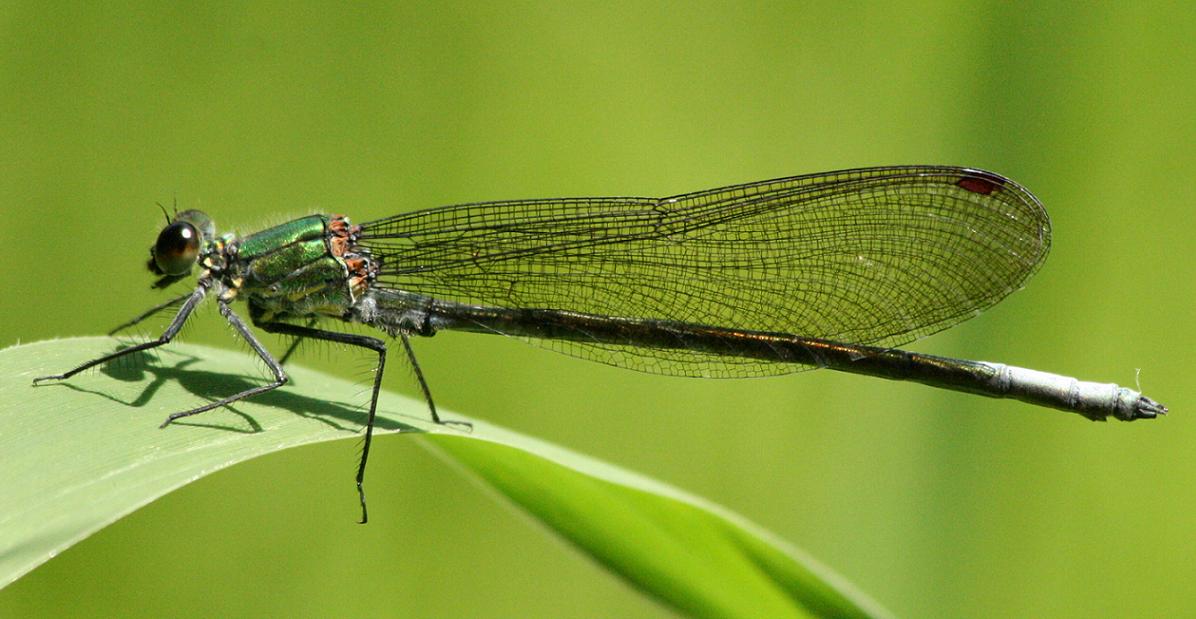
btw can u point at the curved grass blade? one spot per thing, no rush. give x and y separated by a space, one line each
688 553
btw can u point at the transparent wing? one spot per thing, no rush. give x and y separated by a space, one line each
877 256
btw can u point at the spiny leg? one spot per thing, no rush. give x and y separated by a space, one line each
419 375
148 313
423 384
280 375
294 344
362 341
189 305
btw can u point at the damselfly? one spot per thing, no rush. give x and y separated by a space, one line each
819 271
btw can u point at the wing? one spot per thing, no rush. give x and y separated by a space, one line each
877 256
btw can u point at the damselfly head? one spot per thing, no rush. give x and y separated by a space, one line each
179 244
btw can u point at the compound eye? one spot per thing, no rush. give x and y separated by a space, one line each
177 248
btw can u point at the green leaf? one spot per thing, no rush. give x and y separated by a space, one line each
80 454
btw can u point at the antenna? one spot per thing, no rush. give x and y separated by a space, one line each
167 215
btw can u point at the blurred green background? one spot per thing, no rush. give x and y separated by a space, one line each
936 503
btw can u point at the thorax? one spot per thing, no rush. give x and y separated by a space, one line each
307 266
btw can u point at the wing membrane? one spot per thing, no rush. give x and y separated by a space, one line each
876 256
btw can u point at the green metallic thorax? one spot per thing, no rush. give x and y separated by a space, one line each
291 270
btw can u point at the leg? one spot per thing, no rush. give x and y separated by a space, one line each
363 341
419 375
423 384
294 345
149 312
189 305
280 376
